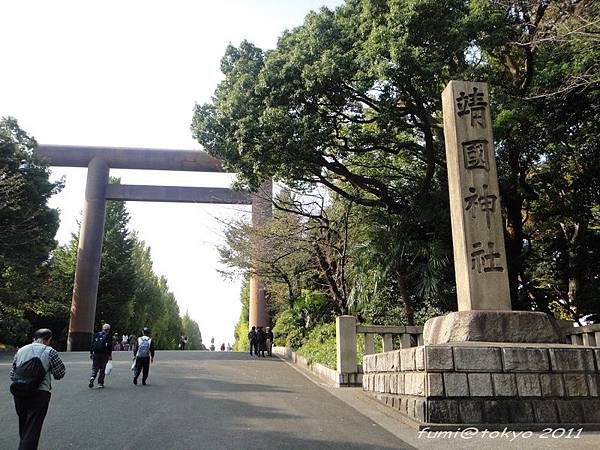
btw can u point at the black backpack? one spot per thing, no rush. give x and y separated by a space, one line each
100 342
28 377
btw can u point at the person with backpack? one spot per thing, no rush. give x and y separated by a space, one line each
144 355
100 354
269 335
31 384
252 340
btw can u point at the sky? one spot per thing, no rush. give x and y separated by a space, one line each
128 74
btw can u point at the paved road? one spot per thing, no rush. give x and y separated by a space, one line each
202 401
195 400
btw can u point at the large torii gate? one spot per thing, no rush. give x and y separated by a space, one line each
99 161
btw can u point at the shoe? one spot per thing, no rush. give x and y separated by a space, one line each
91 385
143 383
135 381
100 386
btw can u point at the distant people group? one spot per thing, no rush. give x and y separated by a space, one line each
261 341
102 348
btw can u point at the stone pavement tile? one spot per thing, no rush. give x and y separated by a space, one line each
528 385
505 384
438 358
525 359
572 360
552 385
576 384
482 359
455 384
520 411
480 385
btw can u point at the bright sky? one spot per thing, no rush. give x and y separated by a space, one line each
127 74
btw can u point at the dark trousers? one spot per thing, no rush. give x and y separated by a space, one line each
141 365
98 365
254 347
32 412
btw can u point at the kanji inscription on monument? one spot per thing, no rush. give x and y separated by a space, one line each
479 254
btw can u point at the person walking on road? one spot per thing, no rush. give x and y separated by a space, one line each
144 355
125 342
100 354
261 338
252 340
182 342
269 334
32 393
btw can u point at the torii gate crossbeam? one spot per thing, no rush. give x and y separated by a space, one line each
99 161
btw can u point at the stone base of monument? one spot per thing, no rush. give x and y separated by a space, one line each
492 326
489 385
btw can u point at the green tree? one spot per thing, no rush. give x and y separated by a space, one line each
541 59
153 305
117 281
27 229
192 331
240 333
351 100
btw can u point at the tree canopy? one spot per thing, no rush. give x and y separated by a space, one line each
351 101
27 229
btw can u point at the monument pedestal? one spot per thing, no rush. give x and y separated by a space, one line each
489 385
492 326
490 369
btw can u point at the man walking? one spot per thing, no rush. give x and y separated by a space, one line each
252 340
182 342
31 369
100 354
144 355
261 338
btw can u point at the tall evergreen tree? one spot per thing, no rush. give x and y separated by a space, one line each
27 229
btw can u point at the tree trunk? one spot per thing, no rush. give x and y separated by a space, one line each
405 297
513 202
328 274
574 240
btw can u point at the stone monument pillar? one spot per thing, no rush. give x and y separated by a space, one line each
477 231
89 254
261 213
484 307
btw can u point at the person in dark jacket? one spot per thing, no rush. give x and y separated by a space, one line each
252 341
143 353
32 408
100 354
261 337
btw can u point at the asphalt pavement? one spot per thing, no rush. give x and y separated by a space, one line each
228 400
195 400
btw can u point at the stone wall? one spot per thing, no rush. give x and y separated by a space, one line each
328 375
488 383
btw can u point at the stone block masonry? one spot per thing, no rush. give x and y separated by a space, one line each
488 383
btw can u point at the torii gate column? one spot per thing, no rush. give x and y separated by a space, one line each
89 254
261 213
